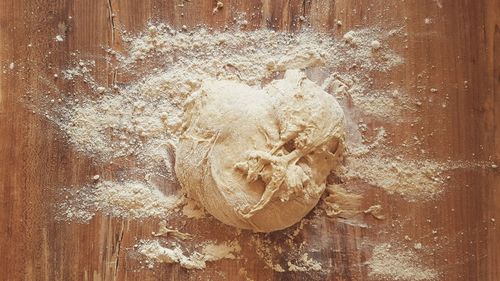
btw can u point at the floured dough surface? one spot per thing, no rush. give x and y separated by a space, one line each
259 158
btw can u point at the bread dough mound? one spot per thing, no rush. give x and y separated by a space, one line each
259 158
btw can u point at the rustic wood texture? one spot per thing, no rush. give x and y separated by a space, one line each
462 43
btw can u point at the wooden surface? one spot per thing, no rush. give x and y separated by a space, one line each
462 43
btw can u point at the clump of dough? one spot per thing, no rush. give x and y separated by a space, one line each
259 158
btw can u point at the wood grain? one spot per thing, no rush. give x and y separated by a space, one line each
462 43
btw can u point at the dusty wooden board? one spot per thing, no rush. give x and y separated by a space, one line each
460 44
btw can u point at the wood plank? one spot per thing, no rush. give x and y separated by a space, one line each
462 43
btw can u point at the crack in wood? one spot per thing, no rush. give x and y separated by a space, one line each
118 248
112 21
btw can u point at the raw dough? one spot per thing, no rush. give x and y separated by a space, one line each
259 158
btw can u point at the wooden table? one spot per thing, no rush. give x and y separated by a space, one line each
461 43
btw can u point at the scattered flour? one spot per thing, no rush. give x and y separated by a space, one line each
389 263
119 199
356 89
135 118
125 119
294 254
304 264
81 69
264 250
413 179
154 252
120 125
358 50
138 119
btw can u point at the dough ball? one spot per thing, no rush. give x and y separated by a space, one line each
259 158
